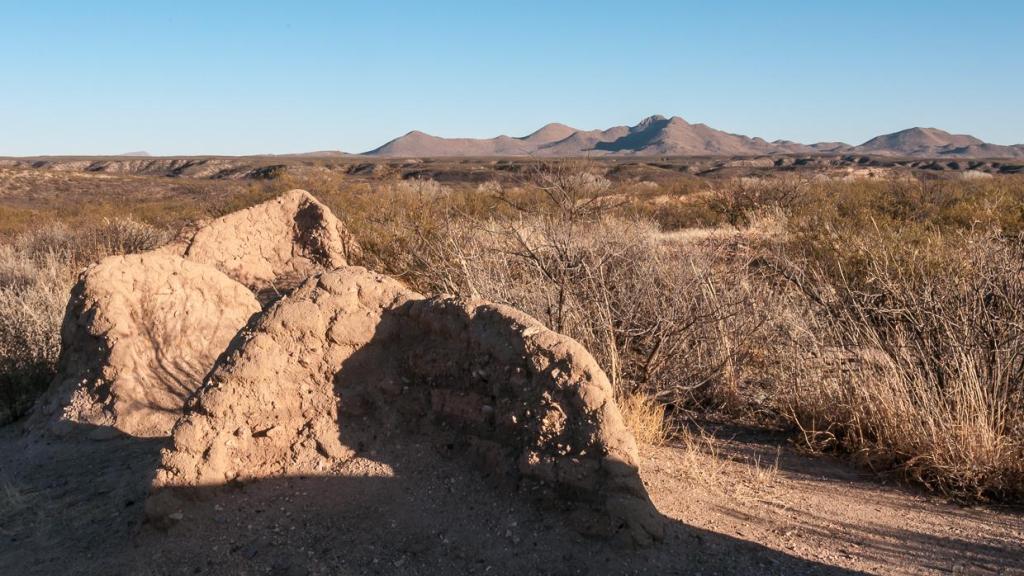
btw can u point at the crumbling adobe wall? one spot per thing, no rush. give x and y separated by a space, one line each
532 405
139 335
274 246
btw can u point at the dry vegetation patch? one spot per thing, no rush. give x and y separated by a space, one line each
37 270
877 318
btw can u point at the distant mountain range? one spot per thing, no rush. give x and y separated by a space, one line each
661 136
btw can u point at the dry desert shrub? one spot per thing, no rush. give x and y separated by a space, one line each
679 322
33 294
663 319
738 200
37 270
912 357
893 332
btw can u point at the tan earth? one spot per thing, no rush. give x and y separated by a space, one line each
272 247
140 334
532 407
409 507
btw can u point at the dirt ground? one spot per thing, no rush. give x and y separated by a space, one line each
751 506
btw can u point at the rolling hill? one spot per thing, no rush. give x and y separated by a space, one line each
661 136
935 143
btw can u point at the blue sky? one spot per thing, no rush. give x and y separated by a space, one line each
249 77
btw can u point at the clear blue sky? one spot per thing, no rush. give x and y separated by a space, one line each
248 77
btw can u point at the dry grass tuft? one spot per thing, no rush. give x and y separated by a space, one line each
645 418
763 474
700 460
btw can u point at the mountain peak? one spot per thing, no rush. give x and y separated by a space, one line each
651 121
554 126
552 132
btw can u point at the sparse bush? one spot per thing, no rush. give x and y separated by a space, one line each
662 319
37 270
678 212
868 283
33 294
917 358
738 199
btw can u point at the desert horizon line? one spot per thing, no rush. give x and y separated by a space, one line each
655 135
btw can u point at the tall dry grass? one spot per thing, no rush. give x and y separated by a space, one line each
913 357
37 270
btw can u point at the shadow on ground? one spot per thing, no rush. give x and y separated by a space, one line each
413 507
